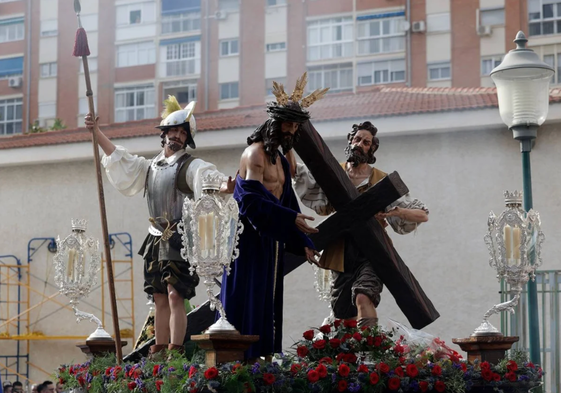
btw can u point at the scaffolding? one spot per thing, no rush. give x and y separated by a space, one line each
16 290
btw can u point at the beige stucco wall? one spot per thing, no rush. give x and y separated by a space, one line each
460 176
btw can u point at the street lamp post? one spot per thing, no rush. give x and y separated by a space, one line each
522 81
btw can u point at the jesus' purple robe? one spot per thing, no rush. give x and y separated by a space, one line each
253 292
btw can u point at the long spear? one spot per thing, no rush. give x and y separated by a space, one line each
81 49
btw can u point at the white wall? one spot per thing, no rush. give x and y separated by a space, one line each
459 175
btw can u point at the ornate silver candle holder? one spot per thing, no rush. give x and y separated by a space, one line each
323 286
77 262
210 229
514 241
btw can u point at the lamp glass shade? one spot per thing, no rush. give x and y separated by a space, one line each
523 95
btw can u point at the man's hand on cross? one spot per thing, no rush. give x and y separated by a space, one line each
312 256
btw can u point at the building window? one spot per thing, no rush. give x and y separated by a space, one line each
11 30
439 71
49 28
12 66
183 22
381 36
136 54
551 60
47 110
134 14
544 17
272 3
378 72
492 17
10 116
134 103
48 70
488 63
228 5
229 91
438 23
229 48
276 47
92 64
185 91
269 85
337 77
182 59
330 38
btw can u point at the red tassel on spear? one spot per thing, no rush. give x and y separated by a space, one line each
82 50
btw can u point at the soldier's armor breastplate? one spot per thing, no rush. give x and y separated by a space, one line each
165 201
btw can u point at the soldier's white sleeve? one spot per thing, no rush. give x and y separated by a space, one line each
126 172
195 173
309 192
399 225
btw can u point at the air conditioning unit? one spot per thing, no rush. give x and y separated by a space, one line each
220 15
418 27
484 30
15 81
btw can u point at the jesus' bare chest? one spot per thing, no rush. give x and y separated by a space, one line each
273 177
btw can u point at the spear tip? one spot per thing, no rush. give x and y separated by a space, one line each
77 6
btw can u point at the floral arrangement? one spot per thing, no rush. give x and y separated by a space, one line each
334 358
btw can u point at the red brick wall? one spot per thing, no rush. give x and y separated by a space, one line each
465 44
296 41
327 7
34 91
370 4
418 46
252 52
136 73
106 62
212 67
516 18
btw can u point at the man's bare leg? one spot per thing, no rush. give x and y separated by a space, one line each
178 319
162 319
367 315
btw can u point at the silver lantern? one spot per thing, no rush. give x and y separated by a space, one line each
323 285
514 241
77 263
210 229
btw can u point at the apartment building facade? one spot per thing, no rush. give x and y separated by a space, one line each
226 53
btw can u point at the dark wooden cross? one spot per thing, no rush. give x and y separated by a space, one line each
354 220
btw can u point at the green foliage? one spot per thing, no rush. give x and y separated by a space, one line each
35 128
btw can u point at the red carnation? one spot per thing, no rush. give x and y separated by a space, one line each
156 369
108 371
327 360
268 378
344 370
192 371
511 376
398 349
345 337
211 373
496 377
137 373
159 384
424 385
322 371
394 383
384 368
308 334
370 340
357 336
236 366
511 366
374 378
319 344
340 357
117 370
342 385
313 376
302 351
436 370
412 370
81 380
530 365
487 374
325 329
350 323
362 369
131 385
399 371
440 386
464 367
377 341
337 323
295 368
485 366
335 343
